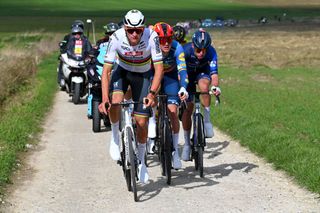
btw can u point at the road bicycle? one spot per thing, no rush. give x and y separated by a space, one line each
198 140
128 147
163 140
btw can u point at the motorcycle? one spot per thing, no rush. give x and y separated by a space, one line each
75 77
95 98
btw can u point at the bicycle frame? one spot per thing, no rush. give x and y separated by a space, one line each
126 122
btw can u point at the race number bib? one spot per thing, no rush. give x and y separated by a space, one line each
78 48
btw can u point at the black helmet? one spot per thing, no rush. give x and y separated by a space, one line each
76 29
78 23
179 33
110 28
201 39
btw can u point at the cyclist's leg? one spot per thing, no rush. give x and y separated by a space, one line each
186 118
140 83
203 84
117 87
152 119
170 87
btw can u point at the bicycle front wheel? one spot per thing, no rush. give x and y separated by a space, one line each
200 143
133 163
125 160
168 151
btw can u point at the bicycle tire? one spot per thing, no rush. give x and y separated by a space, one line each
125 169
168 151
201 143
133 164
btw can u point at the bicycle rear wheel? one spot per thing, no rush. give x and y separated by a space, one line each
168 151
133 164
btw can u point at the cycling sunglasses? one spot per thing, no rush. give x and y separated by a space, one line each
164 40
198 50
132 30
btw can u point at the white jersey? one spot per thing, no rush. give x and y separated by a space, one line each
134 58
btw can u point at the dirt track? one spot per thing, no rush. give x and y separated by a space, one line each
71 171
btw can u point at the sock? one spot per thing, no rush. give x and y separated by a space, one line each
115 131
175 138
187 138
153 117
141 152
206 114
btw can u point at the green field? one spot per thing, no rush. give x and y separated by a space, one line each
275 113
18 15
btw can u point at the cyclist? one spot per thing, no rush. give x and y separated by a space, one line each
202 67
175 80
135 46
179 34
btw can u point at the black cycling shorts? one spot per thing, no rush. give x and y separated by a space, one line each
139 82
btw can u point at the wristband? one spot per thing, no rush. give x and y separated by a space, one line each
152 92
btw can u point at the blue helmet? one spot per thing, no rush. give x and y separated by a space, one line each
201 39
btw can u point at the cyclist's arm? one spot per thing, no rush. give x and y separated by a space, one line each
213 63
156 55
181 66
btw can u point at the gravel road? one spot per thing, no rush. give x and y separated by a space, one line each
71 171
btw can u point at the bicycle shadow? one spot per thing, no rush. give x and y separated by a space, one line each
215 148
188 178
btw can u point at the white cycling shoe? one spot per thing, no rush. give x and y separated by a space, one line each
186 153
152 129
114 149
208 130
176 162
143 173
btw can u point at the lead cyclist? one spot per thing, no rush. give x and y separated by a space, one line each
135 47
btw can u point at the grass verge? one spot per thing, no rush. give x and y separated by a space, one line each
274 112
22 120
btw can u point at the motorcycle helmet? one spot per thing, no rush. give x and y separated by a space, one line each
179 33
76 29
110 28
201 39
78 23
134 18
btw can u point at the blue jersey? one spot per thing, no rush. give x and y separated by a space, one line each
174 64
208 64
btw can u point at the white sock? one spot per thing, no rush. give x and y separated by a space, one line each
153 117
187 138
141 152
115 131
206 114
175 138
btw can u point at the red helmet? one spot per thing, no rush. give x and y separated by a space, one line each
163 29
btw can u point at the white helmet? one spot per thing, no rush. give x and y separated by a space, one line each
134 18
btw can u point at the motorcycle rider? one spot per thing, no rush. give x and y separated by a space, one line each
108 30
97 54
64 47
